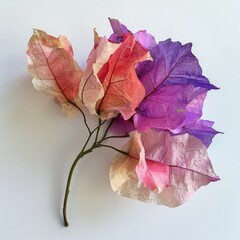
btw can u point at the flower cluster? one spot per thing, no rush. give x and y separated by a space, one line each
148 91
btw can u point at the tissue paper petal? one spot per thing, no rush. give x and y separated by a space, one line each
122 127
144 38
122 89
50 61
118 30
203 130
171 81
91 89
186 157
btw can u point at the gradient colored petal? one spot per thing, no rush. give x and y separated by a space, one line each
118 30
145 39
122 89
172 81
183 162
165 108
203 130
154 175
122 127
50 61
91 89
177 65
194 108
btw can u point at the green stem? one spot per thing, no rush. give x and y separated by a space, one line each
79 156
67 191
116 149
98 129
86 81
107 129
84 116
122 136
83 152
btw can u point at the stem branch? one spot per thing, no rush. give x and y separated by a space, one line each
84 116
96 144
98 129
67 191
122 136
106 131
116 149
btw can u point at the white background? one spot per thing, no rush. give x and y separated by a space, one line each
38 143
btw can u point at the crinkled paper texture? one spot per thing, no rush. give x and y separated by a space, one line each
203 130
50 61
91 89
172 81
161 168
156 91
122 89
119 30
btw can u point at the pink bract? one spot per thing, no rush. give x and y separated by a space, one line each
161 168
50 61
122 89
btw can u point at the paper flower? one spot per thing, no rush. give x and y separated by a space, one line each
138 88
122 90
50 61
161 168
